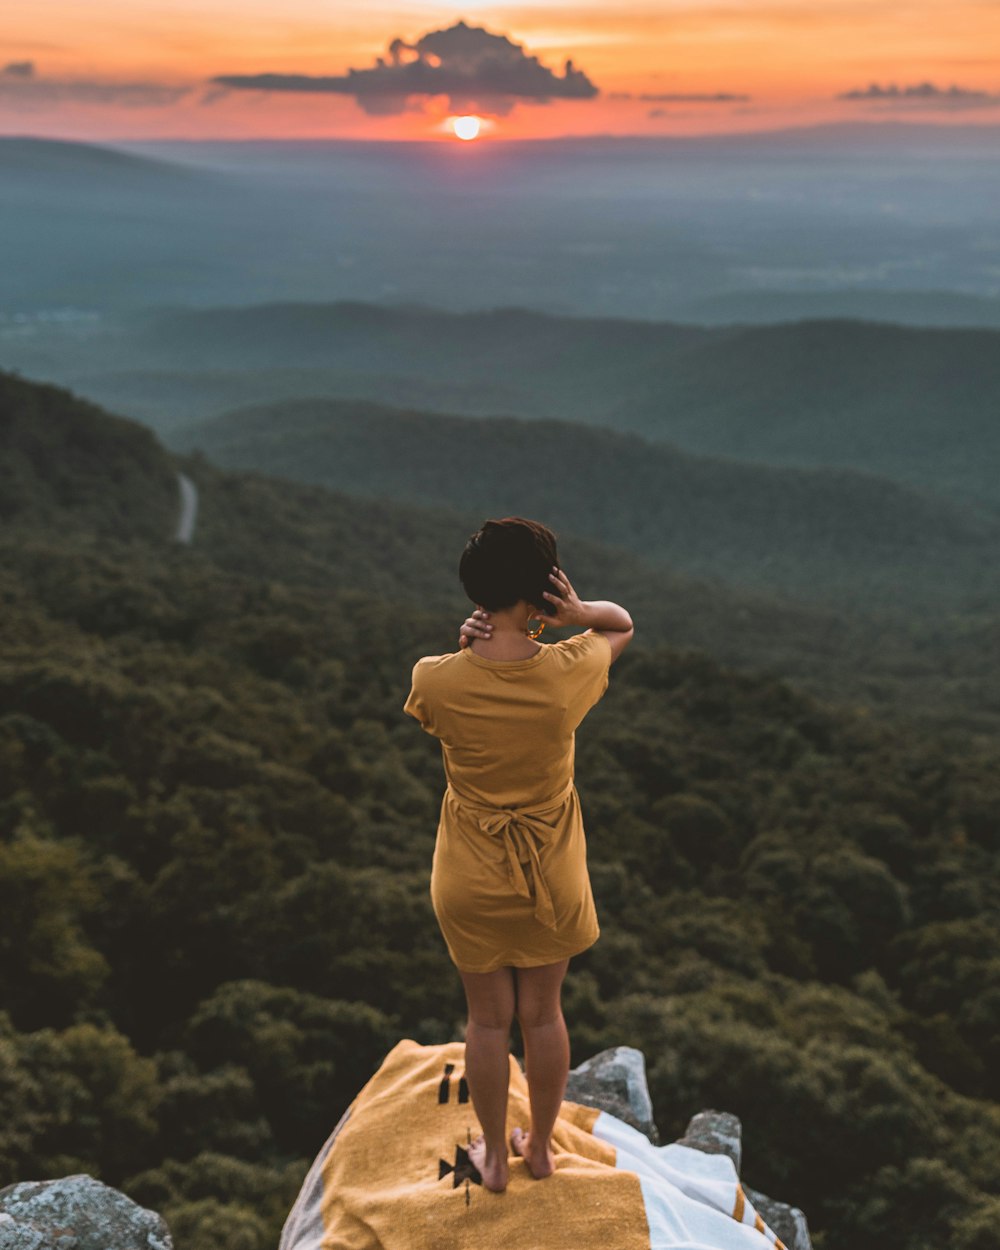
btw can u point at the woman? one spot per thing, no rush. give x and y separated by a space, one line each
509 883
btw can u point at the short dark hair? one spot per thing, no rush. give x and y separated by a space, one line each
509 560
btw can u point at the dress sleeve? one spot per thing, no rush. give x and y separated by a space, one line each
591 660
415 704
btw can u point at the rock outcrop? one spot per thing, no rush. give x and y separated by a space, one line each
76 1213
615 1081
80 1213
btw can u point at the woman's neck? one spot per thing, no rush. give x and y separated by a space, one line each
496 649
509 639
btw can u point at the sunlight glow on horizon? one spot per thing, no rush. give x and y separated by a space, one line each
466 128
658 68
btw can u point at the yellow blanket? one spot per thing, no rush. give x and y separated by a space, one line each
395 1175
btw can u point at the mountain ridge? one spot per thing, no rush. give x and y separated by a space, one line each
284 532
64 456
911 403
914 404
33 153
798 531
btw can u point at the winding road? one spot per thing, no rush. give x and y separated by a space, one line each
189 509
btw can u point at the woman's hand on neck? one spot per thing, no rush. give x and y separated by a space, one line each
509 636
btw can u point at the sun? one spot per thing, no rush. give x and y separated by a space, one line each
466 127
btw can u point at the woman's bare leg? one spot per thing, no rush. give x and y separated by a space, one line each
490 996
546 1060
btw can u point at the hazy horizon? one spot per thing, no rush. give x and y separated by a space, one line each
643 228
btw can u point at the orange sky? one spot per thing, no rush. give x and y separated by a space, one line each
124 69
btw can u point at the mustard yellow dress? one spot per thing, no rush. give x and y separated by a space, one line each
509 882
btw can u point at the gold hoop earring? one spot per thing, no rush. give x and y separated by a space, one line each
541 626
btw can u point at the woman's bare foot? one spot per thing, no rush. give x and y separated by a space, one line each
492 1168
540 1164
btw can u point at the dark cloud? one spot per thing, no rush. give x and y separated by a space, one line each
22 89
478 71
924 95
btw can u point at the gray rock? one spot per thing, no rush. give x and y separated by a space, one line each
615 1081
720 1133
788 1222
716 1133
15 1236
77 1213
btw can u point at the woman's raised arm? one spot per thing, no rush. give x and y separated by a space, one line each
600 615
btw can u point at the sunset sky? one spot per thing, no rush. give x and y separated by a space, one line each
132 69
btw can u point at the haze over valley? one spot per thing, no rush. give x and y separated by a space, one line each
887 220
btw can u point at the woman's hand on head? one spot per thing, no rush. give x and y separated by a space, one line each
564 599
478 625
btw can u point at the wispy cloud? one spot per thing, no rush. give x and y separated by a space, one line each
924 95
477 71
22 88
668 97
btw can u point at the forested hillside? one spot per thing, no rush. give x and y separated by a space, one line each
62 458
215 835
916 405
840 537
938 668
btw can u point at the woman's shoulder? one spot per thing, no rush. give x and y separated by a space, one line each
439 672
589 642
428 664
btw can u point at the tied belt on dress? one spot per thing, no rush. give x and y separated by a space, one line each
522 832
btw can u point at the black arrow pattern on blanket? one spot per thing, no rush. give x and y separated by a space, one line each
463 1169
444 1089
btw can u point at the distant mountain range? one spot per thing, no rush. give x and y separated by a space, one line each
70 473
915 308
914 405
918 405
849 136
23 156
94 227
834 535
74 479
